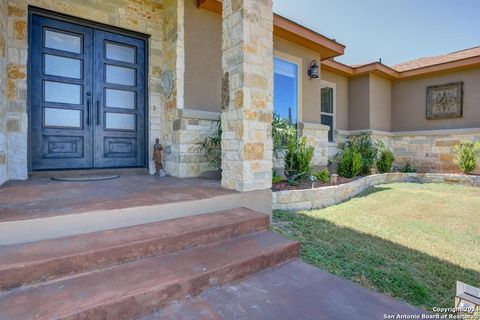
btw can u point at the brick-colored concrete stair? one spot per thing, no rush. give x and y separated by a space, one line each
125 273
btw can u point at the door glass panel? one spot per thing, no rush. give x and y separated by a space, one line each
62 92
55 117
62 66
120 53
121 121
120 75
63 41
119 99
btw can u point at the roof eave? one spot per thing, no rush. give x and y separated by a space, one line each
291 31
391 74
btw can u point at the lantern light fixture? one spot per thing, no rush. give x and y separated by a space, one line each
314 70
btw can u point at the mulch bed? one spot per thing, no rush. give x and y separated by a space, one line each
280 186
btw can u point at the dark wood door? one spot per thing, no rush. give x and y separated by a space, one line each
119 100
87 97
61 94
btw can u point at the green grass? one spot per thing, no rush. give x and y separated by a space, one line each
409 241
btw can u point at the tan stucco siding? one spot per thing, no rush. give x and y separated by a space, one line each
310 88
409 102
203 58
341 111
380 103
359 103
203 65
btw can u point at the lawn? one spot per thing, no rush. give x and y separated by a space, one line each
409 241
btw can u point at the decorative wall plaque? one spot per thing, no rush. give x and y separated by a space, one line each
445 101
166 82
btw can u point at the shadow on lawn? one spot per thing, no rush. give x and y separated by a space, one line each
372 190
373 262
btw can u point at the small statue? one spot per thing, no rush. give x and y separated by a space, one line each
157 158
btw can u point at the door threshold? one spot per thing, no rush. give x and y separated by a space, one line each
88 172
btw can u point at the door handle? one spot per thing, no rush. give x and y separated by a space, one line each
88 112
98 112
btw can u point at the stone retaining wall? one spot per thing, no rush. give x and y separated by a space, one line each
427 151
327 196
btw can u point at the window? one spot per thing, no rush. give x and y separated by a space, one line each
327 111
285 97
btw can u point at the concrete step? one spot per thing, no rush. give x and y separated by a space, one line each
48 259
137 288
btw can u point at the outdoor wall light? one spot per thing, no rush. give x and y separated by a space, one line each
314 70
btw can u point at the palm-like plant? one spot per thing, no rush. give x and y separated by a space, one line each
283 131
212 146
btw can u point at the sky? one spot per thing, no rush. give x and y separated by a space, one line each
394 30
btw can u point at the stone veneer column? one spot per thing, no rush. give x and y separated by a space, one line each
174 63
16 113
3 97
247 94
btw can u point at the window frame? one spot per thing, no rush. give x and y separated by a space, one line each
297 61
333 86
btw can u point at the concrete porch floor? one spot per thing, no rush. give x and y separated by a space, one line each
41 208
43 197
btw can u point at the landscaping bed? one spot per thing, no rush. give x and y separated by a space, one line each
329 195
301 185
408 240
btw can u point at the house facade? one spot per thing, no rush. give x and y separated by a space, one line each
92 84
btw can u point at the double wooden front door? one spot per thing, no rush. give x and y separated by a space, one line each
87 96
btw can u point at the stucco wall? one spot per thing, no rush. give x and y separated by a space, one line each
380 103
145 16
310 88
203 68
341 111
203 58
359 103
409 102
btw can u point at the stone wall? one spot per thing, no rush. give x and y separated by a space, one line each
174 65
427 151
317 137
3 97
247 96
328 196
145 16
189 131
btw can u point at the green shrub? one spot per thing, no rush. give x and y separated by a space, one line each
408 168
297 159
349 163
367 148
323 175
466 154
385 160
283 131
276 178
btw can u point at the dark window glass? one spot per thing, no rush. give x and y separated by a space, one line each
328 121
327 100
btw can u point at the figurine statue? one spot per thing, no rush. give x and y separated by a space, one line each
157 158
